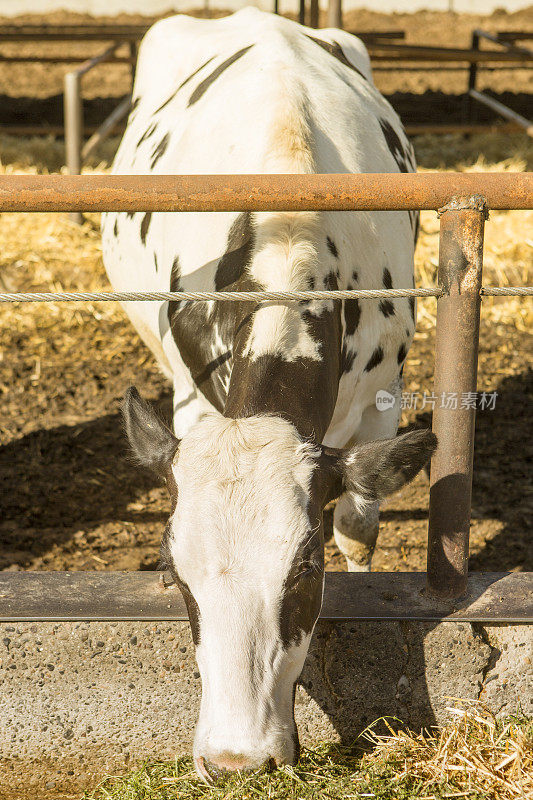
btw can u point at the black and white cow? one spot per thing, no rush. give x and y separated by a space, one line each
274 404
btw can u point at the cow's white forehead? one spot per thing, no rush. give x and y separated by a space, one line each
243 490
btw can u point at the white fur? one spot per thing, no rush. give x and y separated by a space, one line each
240 516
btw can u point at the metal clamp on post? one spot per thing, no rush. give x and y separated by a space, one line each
456 356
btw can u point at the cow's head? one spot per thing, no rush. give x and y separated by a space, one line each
245 544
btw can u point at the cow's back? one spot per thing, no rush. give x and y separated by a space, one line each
255 93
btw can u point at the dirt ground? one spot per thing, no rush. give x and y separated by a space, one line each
70 497
32 93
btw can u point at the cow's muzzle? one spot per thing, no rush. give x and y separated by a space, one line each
216 769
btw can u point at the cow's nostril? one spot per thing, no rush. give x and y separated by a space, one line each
214 772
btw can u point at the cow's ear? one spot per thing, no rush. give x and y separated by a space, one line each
153 444
373 470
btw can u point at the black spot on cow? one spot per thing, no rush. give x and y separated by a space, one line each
395 145
145 224
175 286
302 592
387 279
159 150
175 275
133 108
355 276
332 247
205 374
206 83
192 609
375 359
335 50
414 216
352 315
387 308
182 84
198 330
115 227
402 353
330 281
148 132
238 253
347 359
412 307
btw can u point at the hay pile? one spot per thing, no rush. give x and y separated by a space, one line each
475 758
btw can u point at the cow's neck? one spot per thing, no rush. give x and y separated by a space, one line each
302 390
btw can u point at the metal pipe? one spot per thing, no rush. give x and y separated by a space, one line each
503 110
371 36
63 33
456 356
90 63
54 596
313 14
396 67
511 36
51 130
335 14
58 59
506 43
487 127
472 77
73 113
392 51
291 192
107 126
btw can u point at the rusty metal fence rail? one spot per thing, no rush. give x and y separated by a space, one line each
463 202
316 192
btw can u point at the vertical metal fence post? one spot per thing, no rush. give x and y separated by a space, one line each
456 355
472 78
73 113
313 14
335 14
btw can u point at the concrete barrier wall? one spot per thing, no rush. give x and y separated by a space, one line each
79 701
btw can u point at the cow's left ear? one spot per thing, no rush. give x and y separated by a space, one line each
374 470
153 444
